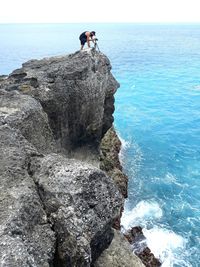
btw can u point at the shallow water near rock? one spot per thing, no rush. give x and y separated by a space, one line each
157 115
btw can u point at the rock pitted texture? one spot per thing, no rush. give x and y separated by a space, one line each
26 114
81 202
110 148
26 238
55 211
118 254
76 91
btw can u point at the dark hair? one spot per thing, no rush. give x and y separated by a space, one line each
92 33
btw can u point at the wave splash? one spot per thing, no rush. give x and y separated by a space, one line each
166 245
124 145
144 211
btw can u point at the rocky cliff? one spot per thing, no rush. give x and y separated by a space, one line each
57 207
76 92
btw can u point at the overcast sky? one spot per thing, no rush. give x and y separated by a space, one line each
99 11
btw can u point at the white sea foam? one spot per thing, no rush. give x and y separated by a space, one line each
165 245
124 146
135 159
144 211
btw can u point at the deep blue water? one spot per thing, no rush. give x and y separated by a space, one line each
157 115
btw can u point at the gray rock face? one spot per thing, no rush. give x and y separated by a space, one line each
118 254
109 160
76 91
26 238
81 202
55 211
26 114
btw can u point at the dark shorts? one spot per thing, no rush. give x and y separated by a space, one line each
83 40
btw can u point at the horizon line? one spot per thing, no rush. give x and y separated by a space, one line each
110 22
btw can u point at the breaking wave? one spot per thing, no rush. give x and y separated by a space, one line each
165 244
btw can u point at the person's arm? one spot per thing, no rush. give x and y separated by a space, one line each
93 39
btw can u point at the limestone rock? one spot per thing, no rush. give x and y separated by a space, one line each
76 91
109 160
26 238
57 211
118 254
81 202
137 239
26 114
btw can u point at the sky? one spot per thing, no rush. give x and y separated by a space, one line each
64 11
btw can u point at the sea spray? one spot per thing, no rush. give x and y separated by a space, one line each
165 244
141 214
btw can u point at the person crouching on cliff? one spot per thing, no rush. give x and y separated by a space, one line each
87 37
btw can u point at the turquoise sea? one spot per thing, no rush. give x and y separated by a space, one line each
157 117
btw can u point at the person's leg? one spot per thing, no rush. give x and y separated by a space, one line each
83 41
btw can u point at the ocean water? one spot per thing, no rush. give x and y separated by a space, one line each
157 116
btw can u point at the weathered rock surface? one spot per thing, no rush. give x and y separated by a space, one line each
26 114
55 211
76 91
137 239
26 238
118 254
109 160
81 202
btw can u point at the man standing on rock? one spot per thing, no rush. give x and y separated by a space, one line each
87 37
